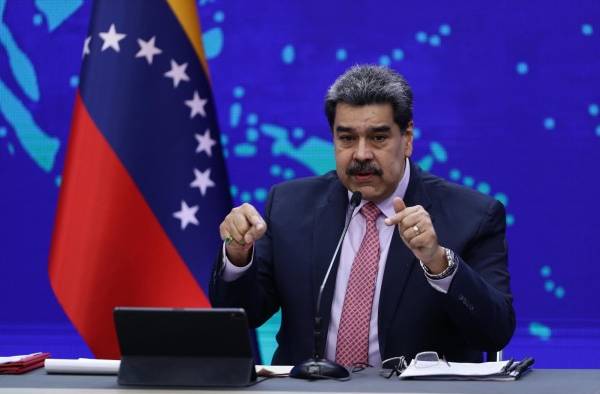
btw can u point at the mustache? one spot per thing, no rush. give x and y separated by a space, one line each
361 167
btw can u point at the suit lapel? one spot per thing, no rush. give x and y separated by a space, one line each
400 262
328 226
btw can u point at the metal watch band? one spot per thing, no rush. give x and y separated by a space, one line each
450 258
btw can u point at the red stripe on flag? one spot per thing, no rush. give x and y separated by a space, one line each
108 249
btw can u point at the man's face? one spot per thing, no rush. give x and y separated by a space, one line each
370 150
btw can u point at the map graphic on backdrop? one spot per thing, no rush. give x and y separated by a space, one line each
506 102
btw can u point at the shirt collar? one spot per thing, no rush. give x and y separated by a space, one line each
386 206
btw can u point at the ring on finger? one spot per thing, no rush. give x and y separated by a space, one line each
417 230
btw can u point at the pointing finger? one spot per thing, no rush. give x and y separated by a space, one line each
399 206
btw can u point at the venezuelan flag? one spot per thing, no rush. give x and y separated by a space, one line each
145 185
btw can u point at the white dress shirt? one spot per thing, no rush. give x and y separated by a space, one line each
350 246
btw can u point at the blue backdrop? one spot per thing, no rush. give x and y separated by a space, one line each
507 101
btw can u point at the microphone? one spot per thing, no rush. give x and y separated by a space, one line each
318 367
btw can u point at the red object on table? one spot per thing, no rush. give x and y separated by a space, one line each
25 364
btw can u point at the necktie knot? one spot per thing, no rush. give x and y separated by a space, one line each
370 211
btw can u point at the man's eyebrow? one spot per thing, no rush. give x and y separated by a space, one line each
342 129
373 129
381 128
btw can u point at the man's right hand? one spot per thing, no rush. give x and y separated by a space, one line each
240 228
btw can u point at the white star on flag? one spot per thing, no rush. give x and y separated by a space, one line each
197 105
148 49
86 46
177 73
187 215
205 143
111 38
202 181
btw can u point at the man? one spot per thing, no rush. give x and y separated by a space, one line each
423 266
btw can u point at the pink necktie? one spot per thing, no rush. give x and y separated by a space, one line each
353 334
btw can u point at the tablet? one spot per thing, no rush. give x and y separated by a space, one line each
184 346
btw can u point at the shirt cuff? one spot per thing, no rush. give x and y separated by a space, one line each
230 271
442 285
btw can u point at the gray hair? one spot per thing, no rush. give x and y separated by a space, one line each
369 84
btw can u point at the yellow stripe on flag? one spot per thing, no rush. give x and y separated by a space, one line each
185 11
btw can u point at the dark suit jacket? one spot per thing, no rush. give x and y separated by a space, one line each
304 221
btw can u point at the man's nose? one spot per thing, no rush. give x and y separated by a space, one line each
363 151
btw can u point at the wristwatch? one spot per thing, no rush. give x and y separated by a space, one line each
452 264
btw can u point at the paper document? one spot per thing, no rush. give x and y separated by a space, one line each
458 371
273 370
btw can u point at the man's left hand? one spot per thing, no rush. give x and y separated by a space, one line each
417 232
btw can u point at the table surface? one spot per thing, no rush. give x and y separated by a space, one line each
542 381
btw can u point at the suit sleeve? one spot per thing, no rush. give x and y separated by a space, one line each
255 290
479 300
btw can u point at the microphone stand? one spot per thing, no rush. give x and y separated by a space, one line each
318 367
